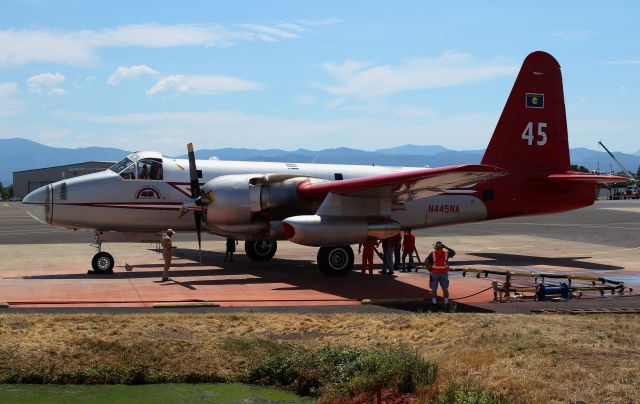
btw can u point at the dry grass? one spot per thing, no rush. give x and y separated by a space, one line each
526 358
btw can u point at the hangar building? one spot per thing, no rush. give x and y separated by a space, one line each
29 180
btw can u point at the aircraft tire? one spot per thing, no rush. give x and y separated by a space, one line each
260 250
102 263
335 261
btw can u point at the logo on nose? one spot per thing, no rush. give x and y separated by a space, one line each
148 193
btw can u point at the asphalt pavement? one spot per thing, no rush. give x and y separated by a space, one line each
45 268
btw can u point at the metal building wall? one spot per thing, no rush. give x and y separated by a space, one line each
29 180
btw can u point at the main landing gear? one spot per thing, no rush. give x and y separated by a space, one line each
260 250
335 261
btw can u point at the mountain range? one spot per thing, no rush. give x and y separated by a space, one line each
21 154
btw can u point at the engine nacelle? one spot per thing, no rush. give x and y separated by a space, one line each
254 199
331 231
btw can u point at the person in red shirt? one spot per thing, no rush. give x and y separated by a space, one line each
408 246
367 256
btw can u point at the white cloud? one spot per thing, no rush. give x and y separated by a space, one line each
132 72
573 34
267 33
201 85
357 79
80 47
627 62
46 84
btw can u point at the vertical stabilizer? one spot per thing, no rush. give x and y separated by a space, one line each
531 134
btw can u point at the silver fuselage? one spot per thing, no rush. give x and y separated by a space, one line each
106 201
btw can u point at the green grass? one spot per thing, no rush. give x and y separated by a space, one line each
465 394
160 393
339 372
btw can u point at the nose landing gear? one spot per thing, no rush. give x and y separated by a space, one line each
261 250
102 262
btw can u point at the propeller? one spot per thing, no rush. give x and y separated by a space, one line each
195 193
198 200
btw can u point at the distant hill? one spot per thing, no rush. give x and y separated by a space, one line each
22 154
413 149
595 160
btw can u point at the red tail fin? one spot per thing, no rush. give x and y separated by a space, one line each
531 134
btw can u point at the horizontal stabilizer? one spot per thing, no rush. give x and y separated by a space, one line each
593 178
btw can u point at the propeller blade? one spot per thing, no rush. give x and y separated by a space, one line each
193 172
198 216
195 193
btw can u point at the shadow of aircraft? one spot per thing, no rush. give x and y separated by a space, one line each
511 260
286 275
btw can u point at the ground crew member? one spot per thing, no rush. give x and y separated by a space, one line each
231 248
408 246
397 247
166 253
367 256
438 265
387 250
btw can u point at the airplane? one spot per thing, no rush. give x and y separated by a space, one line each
524 171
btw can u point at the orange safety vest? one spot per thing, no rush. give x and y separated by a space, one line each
440 265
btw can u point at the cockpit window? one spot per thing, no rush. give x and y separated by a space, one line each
149 170
146 169
126 168
120 165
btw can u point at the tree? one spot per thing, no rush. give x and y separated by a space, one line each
8 191
2 193
638 173
582 169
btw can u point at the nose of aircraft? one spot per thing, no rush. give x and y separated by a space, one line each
38 204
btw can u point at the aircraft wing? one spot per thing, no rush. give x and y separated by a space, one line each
583 177
406 185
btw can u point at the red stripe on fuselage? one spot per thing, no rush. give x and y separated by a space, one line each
128 205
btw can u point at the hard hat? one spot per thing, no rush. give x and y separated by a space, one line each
438 244
170 232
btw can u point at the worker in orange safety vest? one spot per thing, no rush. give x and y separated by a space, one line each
438 265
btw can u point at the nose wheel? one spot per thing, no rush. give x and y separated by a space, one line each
102 263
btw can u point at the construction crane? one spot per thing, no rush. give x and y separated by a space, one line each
632 190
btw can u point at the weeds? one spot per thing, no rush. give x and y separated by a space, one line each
465 394
334 372
139 373
527 359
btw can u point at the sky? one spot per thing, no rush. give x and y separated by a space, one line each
155 75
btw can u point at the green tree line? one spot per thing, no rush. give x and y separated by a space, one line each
6 192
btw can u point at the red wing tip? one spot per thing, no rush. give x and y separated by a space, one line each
540 59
